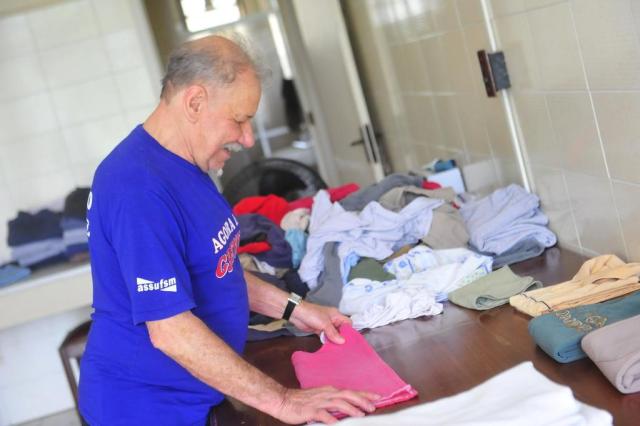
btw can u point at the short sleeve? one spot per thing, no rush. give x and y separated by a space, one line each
149 241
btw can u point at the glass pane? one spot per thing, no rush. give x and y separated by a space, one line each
201 14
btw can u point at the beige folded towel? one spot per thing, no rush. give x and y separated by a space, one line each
599 279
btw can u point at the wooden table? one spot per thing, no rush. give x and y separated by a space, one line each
452 352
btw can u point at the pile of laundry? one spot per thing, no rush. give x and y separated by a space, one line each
394 250
46 237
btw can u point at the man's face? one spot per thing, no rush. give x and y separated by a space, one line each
226 121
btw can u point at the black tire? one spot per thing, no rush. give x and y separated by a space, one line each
286 178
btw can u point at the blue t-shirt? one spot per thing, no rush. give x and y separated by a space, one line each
162 241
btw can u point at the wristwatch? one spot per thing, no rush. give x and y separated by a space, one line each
292 301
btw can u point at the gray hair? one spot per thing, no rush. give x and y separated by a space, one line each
195 63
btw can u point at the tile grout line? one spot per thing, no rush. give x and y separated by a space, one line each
467 154
473 92
571 208
598 131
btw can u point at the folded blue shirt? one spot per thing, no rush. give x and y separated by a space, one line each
559 333
9 274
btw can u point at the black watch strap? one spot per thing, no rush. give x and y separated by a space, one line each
293 301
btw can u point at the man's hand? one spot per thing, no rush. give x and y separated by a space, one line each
315 404
316 319
269 300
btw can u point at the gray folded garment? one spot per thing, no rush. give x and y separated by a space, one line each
447 229
398 197
615 349
492 290
523 250
329 289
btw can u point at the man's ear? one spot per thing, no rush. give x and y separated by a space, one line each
194 100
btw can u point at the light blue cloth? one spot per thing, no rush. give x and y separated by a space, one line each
501 220
75 236
375 232
297 239
36 252
9 274
559 333
70 223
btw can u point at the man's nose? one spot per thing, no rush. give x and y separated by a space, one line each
246 138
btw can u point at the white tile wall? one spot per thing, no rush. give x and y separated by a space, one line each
74 78
25 74
95 139
41 190
86 101
124 50
610 46
83 173
136 116
552 189
41 154
114 15
595 215
64 23
26 115
556 48
135 88
76 62
15 37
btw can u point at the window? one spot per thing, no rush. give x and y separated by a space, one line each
203 14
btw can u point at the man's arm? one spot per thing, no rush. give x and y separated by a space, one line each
269 300
188 341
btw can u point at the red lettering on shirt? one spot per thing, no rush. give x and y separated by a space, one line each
226 261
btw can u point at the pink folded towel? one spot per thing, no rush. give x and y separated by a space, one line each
615 349
354 365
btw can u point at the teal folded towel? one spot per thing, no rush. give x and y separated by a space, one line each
559 333
492 290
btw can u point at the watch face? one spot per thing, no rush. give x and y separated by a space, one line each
295 298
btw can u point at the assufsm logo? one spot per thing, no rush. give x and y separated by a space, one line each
169 284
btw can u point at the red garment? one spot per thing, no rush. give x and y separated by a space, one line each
430 185
354 365
254 248
335 194
271 206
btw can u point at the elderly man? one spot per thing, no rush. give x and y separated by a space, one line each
171 300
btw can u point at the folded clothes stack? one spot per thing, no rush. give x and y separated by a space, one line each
559 333
36 239
508 224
